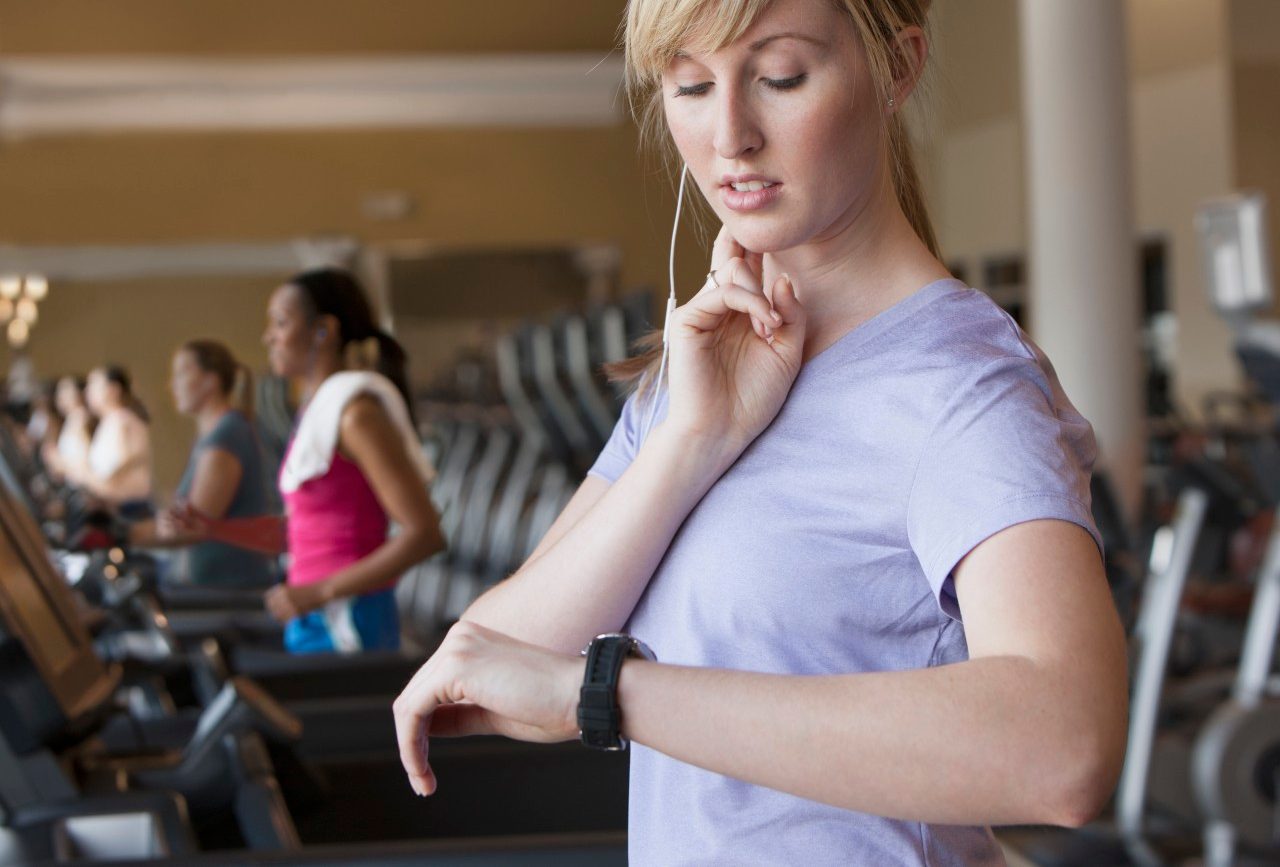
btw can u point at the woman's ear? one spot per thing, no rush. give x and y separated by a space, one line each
911 52
326 328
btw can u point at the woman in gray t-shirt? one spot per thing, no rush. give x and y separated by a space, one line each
852 521
225 476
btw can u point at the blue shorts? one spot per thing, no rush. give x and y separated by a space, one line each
347 625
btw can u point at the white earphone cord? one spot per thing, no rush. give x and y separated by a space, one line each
671 302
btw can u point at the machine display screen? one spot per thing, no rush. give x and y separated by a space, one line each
38 620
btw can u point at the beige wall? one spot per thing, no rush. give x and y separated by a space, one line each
575 186
1255 52
1181 112
1201 126
249 27
1183 156
471 188
138 324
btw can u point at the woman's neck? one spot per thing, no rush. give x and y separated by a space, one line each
208 415
321 369
867 263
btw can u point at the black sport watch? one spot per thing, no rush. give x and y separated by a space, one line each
599 717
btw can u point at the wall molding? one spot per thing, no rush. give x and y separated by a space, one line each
132 262
43 96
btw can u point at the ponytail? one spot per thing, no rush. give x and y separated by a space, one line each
334 292
235 381
241 394
393 363
116 374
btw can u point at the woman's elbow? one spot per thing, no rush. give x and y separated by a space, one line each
426 540
1088 771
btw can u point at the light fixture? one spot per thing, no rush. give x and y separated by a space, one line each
6 310
36 287
26 311
10 286
19 331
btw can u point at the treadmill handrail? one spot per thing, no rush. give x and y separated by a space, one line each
1157 621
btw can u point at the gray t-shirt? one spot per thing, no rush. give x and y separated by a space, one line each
828 547
215 562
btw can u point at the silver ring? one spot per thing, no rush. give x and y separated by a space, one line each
711 275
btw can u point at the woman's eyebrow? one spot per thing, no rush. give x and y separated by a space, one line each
804 37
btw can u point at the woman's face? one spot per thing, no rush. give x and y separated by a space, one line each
96 390
781 129
191 386
67 397
289 338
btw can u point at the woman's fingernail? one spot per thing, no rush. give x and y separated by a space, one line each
777 317
768 333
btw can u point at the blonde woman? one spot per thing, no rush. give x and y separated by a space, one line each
857 532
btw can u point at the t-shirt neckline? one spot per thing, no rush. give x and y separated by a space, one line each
863 332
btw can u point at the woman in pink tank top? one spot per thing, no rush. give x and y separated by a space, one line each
352 468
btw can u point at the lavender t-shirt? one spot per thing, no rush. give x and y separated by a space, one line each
827 548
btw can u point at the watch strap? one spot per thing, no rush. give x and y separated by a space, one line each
599 716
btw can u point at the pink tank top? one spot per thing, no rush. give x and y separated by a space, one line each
334 520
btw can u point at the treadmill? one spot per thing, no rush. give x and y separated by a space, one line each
80 779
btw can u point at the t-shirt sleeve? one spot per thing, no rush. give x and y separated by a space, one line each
233 435
1007 448
623 444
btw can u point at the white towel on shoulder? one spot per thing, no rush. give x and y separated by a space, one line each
311 454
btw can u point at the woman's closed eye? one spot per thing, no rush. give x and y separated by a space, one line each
773 83
692 89
786 83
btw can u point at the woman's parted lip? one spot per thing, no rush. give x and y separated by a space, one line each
730 180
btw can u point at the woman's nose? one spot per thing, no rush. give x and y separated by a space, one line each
737 132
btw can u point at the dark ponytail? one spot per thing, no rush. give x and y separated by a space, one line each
116 374
334 292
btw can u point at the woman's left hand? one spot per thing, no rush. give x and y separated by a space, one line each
483 682
284 602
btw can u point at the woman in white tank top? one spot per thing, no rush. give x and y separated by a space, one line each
119 459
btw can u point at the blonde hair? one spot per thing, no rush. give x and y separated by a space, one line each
657 29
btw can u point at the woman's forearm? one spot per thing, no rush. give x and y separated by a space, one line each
146 534
591 579
999 740
390 560
264 534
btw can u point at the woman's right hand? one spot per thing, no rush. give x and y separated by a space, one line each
734 354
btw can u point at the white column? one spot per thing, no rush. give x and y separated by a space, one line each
1084 296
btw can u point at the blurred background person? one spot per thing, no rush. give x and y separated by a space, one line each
353 466
69 459
119 460
45 422
224 477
